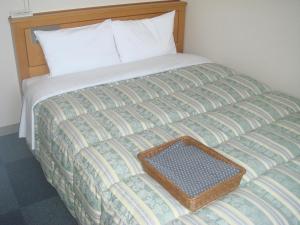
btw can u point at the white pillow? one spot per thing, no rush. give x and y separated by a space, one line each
78 49
146 38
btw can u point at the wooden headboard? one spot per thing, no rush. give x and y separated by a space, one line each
29 55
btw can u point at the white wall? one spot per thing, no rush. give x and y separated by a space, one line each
260 38
10 98
47 5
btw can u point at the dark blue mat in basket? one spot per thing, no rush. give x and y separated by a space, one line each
191 169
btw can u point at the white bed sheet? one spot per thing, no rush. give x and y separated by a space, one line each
40 88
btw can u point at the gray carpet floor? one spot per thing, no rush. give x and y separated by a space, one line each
26 198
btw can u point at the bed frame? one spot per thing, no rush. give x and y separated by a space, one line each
29 55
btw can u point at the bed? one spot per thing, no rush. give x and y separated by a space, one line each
86 132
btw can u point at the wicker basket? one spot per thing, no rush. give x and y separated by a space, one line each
203 198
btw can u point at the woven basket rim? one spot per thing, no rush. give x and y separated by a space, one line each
192 203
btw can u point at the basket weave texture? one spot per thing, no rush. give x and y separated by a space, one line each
192 172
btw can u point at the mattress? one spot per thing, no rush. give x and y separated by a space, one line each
87 141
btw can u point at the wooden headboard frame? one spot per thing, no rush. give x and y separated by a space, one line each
29 55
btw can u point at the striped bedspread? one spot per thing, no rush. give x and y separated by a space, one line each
87 142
